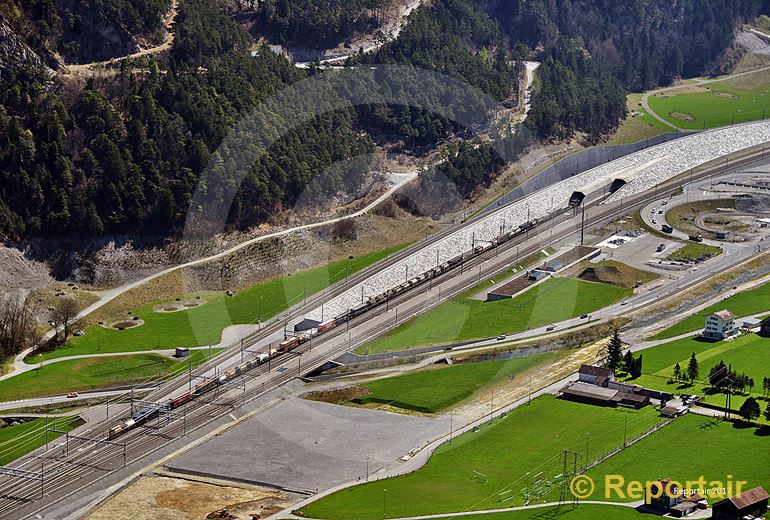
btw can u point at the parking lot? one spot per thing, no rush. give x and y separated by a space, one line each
301 445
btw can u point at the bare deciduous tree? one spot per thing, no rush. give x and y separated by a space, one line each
18 326
63 315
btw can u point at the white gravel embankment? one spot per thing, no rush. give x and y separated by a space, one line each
644 169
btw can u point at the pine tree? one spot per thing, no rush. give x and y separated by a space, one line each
614 351
767 412
692 368
750 409
677 372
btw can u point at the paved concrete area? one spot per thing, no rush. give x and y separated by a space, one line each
641 253
302 445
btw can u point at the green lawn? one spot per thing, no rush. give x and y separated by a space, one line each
434 389
77 375
744 303
462 318
582 512
17 441
204 324
716 449
749 354
473 471
695 251
718 105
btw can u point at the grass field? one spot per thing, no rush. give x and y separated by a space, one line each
749 354
473 471
204 324
712 105
434 389
461 318
583 512
17 441
695 252
92 373
745 303
717 449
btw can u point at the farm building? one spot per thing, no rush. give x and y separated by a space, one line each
601 396
598 376
749 504
764 327
720 325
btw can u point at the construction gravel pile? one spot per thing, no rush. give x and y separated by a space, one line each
643 170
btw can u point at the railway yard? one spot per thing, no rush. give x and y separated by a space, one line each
240 419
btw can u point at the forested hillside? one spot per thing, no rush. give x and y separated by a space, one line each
124 154
314 23
645 43
85 30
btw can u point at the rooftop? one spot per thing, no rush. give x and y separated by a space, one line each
579 389
750 497
595 371
725 315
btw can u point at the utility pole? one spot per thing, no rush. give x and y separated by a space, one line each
582 224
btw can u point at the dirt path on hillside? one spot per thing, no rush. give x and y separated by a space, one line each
96 67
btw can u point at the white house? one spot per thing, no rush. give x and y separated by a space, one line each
720 325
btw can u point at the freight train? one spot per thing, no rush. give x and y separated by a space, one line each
289 344
150 412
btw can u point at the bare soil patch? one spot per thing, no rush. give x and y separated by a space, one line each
179 305
682 116
338 395
122 323
168 498
728 95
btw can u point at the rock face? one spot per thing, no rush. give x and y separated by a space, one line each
13 51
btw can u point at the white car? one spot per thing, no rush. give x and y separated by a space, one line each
550 327
624 302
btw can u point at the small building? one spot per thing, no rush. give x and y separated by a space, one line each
748 505
720 325
598 376
182 352
674 410
552 267
751 323
631 400
764 327
537 275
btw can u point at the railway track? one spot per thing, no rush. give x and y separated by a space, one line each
90 461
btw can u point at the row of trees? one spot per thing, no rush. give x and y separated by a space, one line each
750 410
19 327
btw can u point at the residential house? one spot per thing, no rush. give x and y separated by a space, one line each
598 376
720 325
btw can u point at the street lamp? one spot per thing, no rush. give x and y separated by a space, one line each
367 468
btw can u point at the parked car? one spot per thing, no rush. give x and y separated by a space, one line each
654 221
660 248
665 202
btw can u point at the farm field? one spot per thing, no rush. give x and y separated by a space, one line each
749 354
17 441
203 324
462 318
76 375
471 472
721 449
696 107
434 389
745 303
